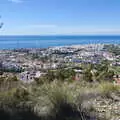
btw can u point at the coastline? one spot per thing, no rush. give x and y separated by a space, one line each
74 46
37 42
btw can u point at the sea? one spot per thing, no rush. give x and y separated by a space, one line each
17 42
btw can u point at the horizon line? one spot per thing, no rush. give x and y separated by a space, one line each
65 35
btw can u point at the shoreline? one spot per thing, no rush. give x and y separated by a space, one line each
61 46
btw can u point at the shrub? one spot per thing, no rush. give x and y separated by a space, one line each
107 88
63 98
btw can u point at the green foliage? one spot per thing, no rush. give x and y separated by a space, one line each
65 74
104 71
47 78
6 80
98 72
107 88
59 75
62 100
21 94
2 79
87 74
14 78
58 94
116 69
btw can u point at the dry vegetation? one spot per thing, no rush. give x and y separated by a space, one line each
62 101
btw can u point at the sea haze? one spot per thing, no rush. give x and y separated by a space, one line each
14 42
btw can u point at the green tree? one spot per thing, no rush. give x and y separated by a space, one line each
65 74
87 74
99 72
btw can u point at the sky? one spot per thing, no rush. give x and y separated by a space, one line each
60 17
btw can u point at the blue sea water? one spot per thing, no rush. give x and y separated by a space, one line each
14 42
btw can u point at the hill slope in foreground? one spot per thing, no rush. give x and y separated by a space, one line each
62 101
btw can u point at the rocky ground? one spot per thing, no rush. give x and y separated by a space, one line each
108 108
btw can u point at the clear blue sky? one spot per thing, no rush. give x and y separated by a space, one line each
38 17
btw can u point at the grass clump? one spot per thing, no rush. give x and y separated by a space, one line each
64 102
107 88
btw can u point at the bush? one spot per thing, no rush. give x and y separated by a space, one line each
63 98
21 94
107 88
